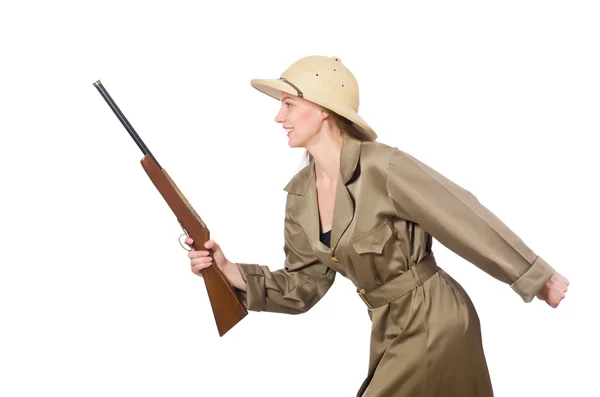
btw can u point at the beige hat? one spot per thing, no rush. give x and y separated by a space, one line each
322 80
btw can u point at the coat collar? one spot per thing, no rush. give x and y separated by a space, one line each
306 211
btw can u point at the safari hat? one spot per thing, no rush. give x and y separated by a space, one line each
322 80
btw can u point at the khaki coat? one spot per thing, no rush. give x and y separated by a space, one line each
426 337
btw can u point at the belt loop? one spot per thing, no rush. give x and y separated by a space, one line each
361 293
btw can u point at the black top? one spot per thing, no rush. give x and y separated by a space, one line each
326 237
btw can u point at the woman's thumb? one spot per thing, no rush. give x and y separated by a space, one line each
212 245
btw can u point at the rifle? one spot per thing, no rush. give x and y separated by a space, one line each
228 310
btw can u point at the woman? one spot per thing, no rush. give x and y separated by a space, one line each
369 212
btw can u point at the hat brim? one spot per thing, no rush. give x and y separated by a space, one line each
274 88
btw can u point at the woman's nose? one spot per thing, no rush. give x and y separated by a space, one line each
279 117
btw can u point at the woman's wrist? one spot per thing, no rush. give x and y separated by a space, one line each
233 274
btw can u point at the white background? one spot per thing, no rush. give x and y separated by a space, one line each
96 295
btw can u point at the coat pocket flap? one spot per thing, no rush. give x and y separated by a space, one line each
373 241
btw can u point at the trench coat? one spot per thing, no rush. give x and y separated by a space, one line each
389 206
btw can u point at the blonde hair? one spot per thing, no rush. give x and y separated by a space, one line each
346 127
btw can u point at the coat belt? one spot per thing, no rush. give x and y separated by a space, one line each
401 285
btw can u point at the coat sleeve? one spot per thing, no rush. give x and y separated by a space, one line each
295 288
456 218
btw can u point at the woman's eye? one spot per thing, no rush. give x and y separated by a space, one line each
288 104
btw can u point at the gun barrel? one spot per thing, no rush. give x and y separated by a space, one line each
123 120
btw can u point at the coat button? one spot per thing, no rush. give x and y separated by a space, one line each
335 259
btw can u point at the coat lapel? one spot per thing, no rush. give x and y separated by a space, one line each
306 212
343 212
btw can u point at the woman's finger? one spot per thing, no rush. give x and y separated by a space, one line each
197 261
197 268
197 271
197 254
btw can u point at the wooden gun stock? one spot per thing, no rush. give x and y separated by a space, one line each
228 310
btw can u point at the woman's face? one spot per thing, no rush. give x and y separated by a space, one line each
301 119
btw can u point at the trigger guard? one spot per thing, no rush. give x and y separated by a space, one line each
182 244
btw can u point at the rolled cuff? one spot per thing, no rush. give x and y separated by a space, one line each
254 298
534 279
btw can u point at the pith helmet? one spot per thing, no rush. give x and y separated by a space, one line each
322 80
